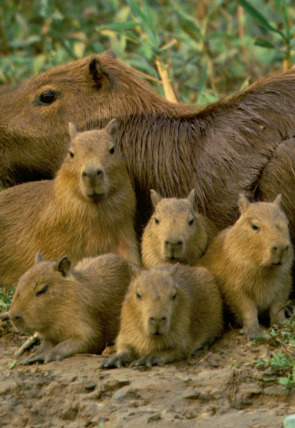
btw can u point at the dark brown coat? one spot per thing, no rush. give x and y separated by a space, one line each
240 144
88 209
74 310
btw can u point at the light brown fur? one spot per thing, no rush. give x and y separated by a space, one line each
251 261
88 209
168 312
74 310
176 232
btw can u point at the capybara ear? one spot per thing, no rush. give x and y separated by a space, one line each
63 265
97 72
174 269
191 198
38 258
72 130
155 197
112 128
134 270
112 54
243 203
278 200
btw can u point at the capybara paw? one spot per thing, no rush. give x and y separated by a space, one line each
117 361
148 360
252 332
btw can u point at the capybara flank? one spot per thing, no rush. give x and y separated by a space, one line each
168 313
74 310
242 144
251 262
86 210
176 232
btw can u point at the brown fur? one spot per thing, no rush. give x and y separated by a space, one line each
167 313
176 232
79 213
222 150
251 261
74 310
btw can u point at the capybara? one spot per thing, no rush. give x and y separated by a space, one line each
176 232
167 314
221 150
86 210
251 262
73 310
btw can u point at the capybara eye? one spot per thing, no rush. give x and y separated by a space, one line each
157 221
112 150
254 226
191 222
48 97
174 295
71 154
139 296
42 291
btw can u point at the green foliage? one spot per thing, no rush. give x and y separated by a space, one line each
211 47
281 366
6 298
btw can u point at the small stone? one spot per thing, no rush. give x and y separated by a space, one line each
289 421
6 386
89 385
154 418
69 411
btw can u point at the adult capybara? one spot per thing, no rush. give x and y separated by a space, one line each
222 150
74 310
88 209
251 262
176 232
168 313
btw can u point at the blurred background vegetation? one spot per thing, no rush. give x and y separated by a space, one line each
210 48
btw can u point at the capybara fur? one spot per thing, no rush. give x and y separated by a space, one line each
73 309
86 210
251 262
176 232
221 150
167 314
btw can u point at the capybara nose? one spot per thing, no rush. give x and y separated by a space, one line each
92 173
171 245
156 323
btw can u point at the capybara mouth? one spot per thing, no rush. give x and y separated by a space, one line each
276 263
95 197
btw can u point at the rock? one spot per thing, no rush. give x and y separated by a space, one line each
6 386
289 421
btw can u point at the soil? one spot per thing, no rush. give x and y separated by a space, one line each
218 388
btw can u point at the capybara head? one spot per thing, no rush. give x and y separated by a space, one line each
35 116
93 167
261 234
174 233
39 294
154 298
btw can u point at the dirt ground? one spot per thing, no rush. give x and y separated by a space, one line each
218 388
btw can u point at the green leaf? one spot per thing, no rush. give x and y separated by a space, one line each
259 18
12 365
119 26
283 12
137 12
263 43
202 83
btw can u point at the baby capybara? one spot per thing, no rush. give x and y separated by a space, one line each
176 232
74 310
168 312
251 262
86 210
